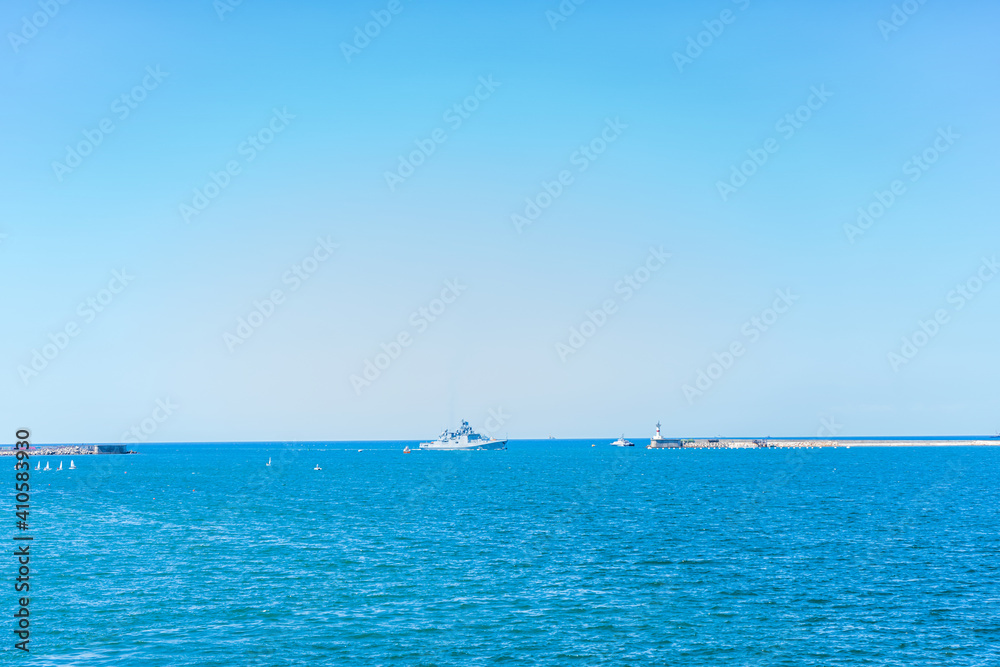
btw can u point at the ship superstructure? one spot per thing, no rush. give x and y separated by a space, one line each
463 438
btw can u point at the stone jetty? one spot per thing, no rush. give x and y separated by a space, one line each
778 443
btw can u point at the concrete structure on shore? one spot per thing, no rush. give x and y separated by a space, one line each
71 450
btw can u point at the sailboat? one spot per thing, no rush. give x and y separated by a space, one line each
39 466
268 460
406 450
60 467
317 467
72 466
46 466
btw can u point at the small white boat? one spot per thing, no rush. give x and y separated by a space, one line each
39 466
72 466
406 450
622 442
60 467
317 467
268 460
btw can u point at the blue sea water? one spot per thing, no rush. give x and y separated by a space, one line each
550 553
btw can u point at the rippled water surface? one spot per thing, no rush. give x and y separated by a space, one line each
550 553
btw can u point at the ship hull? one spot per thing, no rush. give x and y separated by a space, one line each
464 447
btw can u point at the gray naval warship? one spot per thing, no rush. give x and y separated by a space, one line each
463 438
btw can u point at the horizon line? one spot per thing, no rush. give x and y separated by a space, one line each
542 439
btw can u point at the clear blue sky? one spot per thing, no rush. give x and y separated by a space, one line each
673 129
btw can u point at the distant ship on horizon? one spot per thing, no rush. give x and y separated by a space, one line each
463 438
